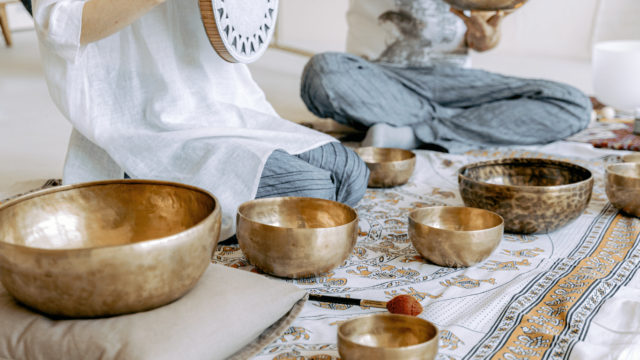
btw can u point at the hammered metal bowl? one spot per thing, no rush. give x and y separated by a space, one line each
534 196
486 5
387 337
622 184
631 158
389 167
106 248
296 237
455 236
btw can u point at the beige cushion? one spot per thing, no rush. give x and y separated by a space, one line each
224 314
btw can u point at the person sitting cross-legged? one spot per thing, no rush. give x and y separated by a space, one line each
406 81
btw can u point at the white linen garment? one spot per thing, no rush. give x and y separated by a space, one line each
156 101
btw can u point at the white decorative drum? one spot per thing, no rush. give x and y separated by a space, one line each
239 30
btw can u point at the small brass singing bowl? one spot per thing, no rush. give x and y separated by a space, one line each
389 167
622 184
534 196
631 158
106 248
455 236
486 5
387 337
296 237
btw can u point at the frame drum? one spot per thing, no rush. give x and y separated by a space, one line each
239 30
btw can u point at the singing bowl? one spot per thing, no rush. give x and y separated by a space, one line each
486 5
622 184
455 236
387 337
534 196
632 158
388 167
106 248
296 237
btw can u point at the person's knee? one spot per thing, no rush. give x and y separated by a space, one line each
355 179
574 105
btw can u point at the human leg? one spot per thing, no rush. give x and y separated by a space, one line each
287 175
488 109
360 94
349 171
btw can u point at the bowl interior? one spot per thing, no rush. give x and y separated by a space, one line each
631 170
383 155
533 173
457 218
632 158
103 215
298 213
388 331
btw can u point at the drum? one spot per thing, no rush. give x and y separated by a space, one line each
239 30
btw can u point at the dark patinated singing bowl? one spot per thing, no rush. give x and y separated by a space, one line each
455 236
622 184
486 5
106 248
387 337
389 167
534 196
296 237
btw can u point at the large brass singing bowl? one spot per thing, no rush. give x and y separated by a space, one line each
455 236
296 237
389 167
106 248
486 5
534 196
622 184
387 337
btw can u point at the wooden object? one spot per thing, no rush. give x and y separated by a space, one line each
239 30
4 23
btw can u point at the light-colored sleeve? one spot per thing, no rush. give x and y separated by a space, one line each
59 24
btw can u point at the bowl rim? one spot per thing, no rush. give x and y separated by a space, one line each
342 337
412 157
238 214
457 207
216 210
623 165
519 160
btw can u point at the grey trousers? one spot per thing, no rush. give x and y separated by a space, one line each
455 108
331 172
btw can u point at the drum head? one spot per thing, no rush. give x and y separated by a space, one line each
239 30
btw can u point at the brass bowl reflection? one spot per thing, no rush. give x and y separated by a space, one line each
455 236
106 248
534 196
387 337
631 158
622 184
486 5
389 167
296 237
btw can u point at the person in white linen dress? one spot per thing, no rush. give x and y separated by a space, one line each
148 96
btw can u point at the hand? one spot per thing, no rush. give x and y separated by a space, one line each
483 28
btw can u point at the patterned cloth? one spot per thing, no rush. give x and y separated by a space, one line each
533 298
616 136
